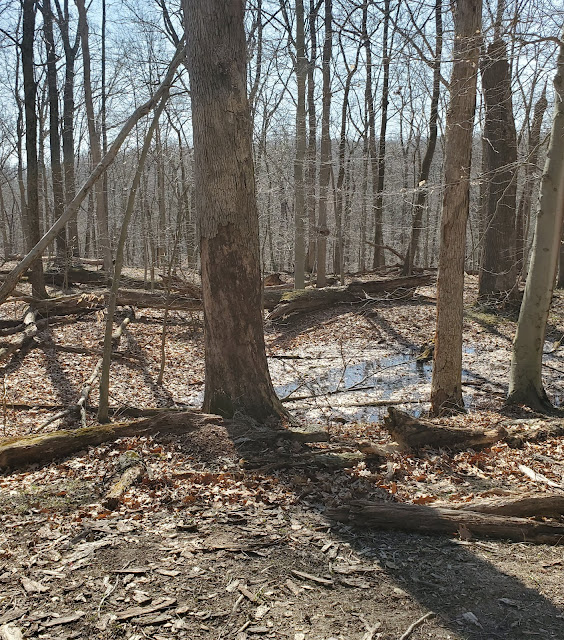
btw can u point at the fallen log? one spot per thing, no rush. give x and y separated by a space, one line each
540 505
533 431
305 300
26 336
415 433
43 448
414 518
132 470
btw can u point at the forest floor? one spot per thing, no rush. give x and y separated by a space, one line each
207 547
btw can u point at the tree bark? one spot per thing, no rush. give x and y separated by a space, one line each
299 160
435 520
525 379
498 265
422 184
32 170
237 376
325 169
446 387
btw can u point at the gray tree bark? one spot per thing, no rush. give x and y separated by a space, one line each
237 377
446 386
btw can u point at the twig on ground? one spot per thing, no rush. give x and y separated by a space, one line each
416 624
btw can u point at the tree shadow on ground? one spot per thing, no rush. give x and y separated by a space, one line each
479 590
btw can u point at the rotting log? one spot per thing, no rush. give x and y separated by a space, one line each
305 300
132 470
414 518
533 431
415 433
44 448
542 505
26 336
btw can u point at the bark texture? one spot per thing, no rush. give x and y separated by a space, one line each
525 381
446 388
237 376
498 266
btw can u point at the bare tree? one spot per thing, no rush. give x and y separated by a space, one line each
446 387
237 376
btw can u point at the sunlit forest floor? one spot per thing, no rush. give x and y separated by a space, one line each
208 547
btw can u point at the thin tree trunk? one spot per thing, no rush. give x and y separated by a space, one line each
446 386
312 141
422 183
325 169
94 138
103 406
299 160
32 169
525 380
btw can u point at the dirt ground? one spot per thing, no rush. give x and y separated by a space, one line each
218 541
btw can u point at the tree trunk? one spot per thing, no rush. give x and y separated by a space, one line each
299 161
422 184
54 138
325 169
312 140
237 376
32 170
103 405
71 51
498 267
379 160
525 380
446 387
94 138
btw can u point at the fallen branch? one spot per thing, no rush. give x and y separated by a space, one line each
133 471
27 335
538 477
305 300
413 433
529 506
415 625
429 520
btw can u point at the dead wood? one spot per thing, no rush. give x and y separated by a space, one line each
133 470
306 300
43 448
412 433
26 336
429 520
532 505
174 283
533 431
79 409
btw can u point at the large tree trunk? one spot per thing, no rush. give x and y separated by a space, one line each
33 233
446 389
498 266
525 380
237 376
423 187
299 160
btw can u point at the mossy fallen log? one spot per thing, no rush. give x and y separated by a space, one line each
429 520
306 300
415 433
44 448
